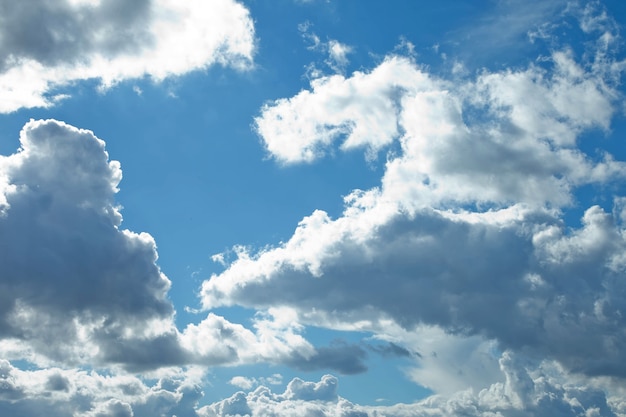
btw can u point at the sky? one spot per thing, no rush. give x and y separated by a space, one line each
342 208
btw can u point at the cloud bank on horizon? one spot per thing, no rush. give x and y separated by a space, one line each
464 249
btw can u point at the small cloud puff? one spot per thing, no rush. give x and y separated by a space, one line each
337 52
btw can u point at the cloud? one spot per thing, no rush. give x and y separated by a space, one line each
47 46
71 275
337 52
216 341
461 255
78 289
390 349
465 231
527 390
506 26
60 392
341 357
243 382
361 108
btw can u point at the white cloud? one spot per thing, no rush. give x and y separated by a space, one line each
337 52
77 289
461 252
243 382
465 231
362 108
526 390
63 392
338 55
47 46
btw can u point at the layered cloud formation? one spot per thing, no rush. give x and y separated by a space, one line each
522 394
44 46
61 392
465 231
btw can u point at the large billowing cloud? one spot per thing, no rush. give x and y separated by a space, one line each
69 273
77 289
46 45
466 230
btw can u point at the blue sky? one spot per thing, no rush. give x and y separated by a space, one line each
312 207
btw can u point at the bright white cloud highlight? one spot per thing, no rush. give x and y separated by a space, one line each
46 46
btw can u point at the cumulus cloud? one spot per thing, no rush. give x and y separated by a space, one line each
71 276
60 392
527 390
243 382
78 289
465 231
45 45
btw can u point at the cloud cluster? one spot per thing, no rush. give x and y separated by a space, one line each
47 45
526 391
466 230
60 392
77 289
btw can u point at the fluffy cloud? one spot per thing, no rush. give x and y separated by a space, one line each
77 289
58 392
527 390
47 45
71 276
465 231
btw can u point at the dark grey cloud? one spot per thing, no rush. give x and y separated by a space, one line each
391 350
493 280
339 357
66 263
58 382
60 32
